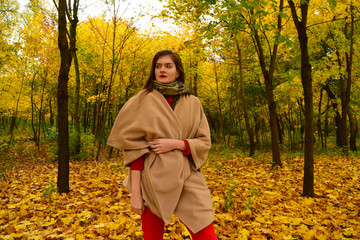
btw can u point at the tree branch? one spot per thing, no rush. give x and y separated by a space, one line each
293 13
56 6
331 20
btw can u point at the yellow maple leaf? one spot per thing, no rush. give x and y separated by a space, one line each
296 221
244 233
51 222
85 214
66 220
308 201
309 235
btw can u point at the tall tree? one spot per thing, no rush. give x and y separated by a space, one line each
245 109
306 80
345 81
268 76
66 52
116 48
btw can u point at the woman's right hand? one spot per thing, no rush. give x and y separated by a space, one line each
137 203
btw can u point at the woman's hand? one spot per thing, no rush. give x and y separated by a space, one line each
137 203
165 145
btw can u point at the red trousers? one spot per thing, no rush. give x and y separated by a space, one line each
153 228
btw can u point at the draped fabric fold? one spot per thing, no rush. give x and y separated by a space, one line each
167 179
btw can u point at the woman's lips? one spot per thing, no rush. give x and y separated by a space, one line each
162 76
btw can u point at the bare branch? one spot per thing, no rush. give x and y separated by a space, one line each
56 6
331 20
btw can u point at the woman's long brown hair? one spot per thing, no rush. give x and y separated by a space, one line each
149 84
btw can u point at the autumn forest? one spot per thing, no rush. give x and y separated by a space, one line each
279 81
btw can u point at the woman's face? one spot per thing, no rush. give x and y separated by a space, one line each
165 70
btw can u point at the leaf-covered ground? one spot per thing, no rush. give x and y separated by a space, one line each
251 200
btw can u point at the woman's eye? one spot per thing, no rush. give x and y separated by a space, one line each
167 66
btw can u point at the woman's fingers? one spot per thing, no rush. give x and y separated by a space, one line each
137 204
138 210
155 145
162 145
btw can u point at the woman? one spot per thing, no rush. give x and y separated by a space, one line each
166 138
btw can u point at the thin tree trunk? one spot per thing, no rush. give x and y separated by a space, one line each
116 58
345 82
51 113
86 114
107 104
95 113
219 103
233 78
319 128
77 108
35 138
14 116
242 94
97 106
40 119
306 79
239 119
337 113
196 77
353 131
268 76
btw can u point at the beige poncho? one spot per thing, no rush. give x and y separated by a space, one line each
170 182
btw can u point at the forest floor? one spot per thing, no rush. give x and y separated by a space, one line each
251 200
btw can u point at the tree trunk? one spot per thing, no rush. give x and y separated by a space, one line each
96 111
66 55
319 128
337 114
219 103
86 117
233 79
77 108
345 82
353 131
195 86
51 113
326 130
35 137
306 79
242 94
40 119
280 129
14 116
239 121
116 59
257 131
112 73
268 76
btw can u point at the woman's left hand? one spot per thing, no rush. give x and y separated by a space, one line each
165 145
